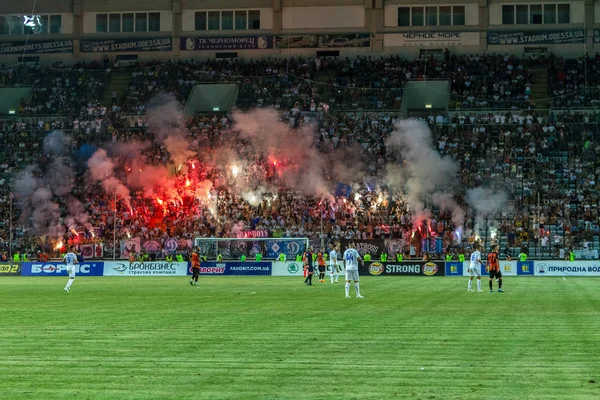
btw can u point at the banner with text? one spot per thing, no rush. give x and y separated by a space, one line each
10 269
596 36
59 269
567 268
537 37
323 41
416 268
363 246
37 47
290 248
439 39
146 268
125 45
234 268
289 268
227 43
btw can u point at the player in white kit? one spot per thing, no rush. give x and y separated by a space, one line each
475 269
333 268
70 259
351 259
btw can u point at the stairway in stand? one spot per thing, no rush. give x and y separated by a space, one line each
539 89
322 79
119 83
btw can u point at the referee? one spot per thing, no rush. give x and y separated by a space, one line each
494 268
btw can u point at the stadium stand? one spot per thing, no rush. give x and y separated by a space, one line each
543 153
519 118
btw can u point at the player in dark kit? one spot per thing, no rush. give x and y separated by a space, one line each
195 260
309 265
494 268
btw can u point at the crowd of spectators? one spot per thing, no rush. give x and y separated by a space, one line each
547 162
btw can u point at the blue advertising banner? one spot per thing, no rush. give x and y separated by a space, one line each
289 247
227 43
525 268
454 268
133 45
234 268
51 268
37 47
537 37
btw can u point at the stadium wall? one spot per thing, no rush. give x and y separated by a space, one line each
549 268
481 31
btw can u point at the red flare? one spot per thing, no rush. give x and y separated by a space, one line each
187 182
193 166
159 201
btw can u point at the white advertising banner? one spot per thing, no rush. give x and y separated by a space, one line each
567 268
287 268
439 39
147 268
508 268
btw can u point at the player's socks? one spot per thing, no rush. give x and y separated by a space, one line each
69 283
347 289
479 285
470 285
500 283
357 288
331 277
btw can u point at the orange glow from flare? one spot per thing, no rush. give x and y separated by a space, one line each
59 245
159 201
187 182
193 166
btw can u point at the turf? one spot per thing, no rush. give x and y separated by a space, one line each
274 338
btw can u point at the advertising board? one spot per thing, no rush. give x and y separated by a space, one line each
51 268
289 268
234 268
567 268
409 268
10 269
146 268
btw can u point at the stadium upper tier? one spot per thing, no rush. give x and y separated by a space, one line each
546 158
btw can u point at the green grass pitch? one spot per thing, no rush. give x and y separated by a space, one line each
275 338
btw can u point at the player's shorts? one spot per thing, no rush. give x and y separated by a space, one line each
495 274
196 270
321 268
71 270
352 275
474 271
333 268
